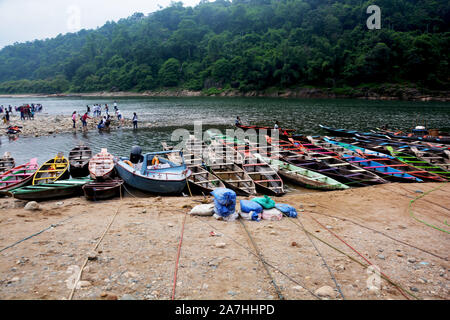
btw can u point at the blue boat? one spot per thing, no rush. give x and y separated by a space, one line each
382 164
153 172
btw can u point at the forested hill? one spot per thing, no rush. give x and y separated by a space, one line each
243 44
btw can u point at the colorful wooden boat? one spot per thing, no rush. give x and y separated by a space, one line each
201 181
101 166
267 181
440 160
52 170
386 166
326 162
6 162
102 190
411 136
79 161
303 177
435 173
52 190
156 176
282 132
18 176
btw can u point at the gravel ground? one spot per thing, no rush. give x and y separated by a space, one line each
136 258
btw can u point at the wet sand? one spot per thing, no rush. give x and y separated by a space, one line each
136 258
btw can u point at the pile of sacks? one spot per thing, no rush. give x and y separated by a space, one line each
224 207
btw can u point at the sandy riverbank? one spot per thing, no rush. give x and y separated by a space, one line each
136 258
54 124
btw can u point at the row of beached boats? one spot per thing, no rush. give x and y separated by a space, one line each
248 167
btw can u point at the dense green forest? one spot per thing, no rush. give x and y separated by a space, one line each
242 44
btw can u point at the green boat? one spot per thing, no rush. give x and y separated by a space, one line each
52 190
418 163
303 177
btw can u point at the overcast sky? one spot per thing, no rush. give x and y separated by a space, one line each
27 20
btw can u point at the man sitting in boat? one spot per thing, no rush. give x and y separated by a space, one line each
237 122
276 126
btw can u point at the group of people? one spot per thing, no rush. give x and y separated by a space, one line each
105 121
27 111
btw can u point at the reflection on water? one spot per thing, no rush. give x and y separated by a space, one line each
168 114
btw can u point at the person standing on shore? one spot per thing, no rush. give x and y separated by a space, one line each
88 109
74 118
135 121
7 116
84 121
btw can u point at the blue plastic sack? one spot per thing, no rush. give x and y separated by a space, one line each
287 210
248 206
224 201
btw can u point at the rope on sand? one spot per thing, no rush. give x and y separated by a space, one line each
411 213
398 287
263 260
338 287
277 289
38 233
379 232
95 248
178 258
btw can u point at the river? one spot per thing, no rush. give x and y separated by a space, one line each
168 114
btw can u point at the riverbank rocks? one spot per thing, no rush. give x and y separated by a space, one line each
32 206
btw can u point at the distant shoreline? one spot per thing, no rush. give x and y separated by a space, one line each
381 93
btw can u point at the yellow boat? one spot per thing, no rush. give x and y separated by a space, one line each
52 170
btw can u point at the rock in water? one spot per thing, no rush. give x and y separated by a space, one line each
325 291
32 205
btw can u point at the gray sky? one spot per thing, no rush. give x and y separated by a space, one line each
27 20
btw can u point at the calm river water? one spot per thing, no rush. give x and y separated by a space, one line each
168 114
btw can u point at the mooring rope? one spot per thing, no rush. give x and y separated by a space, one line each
178 257
95 248
263 260
338 287
400 289
382 233
38 233
411 213
277 289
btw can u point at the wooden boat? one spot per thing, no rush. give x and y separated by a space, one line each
282 132
201 181
52 170
52 190
382 133
403 153
161 177
101 166
440 160
6 162
434 173
231 174
101 190
386 166
79 161
18 176
267 181
234 177
303 177
413 137
327 162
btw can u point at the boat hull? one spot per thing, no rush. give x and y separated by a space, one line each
134 179
102 190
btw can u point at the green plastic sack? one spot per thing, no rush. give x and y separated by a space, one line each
265 202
